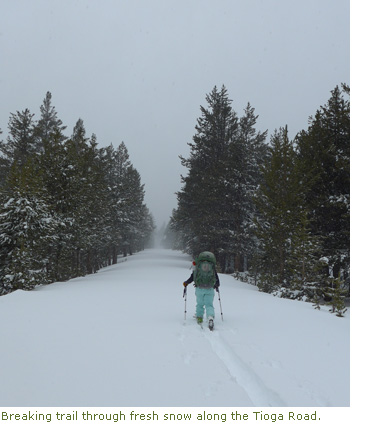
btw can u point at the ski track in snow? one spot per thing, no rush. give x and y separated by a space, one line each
244 375
257 393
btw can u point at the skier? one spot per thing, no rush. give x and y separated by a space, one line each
206 281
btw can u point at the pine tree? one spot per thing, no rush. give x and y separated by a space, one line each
48 124
338 303
129 224
146 227
324 156
21 142
203 202
26 231
116 165
246 156
55 170
215 206
67 208
307 279
134 211
278 200
84 185
95 206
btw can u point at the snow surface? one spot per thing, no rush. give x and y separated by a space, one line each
119 338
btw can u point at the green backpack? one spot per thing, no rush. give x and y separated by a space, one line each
205 270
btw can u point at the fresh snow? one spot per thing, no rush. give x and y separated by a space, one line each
119 338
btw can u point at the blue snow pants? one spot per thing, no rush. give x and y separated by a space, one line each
205 298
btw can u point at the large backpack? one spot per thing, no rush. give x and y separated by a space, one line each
205 270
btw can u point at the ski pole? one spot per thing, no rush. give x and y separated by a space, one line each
219 299
184 296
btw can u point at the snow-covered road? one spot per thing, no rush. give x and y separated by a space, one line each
118 338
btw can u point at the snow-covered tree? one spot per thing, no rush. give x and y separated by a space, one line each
215 206
204 203
67 207
27 230
324 154
246 156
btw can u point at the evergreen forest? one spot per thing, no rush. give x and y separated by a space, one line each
275 211
67 207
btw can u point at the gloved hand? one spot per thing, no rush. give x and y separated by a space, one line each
185 284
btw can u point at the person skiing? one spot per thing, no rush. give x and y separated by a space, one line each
206 281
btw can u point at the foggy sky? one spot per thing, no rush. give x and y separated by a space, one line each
138 70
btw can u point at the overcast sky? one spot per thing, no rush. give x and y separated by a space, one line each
138 70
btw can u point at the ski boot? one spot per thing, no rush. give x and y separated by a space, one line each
210 323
